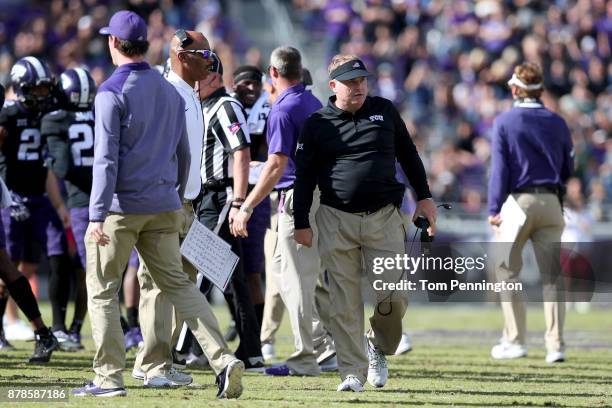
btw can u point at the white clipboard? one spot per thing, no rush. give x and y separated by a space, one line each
512 220
209 254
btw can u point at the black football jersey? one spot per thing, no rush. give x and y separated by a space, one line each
70 139
22 153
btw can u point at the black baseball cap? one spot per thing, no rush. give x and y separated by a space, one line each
349 70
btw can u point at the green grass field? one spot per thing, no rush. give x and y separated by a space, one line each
449 366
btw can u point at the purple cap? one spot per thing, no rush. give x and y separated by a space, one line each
126 25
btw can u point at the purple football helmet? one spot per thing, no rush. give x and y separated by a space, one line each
77 89
29 78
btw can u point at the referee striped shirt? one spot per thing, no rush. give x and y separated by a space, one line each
225 131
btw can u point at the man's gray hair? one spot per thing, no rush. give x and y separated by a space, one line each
287 61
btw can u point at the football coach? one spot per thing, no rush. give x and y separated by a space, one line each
349 148
531 159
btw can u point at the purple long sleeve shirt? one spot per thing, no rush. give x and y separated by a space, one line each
530 146
141 150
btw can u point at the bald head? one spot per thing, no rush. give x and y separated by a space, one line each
199 42
191 67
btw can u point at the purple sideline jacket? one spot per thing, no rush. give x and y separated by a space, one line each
141 150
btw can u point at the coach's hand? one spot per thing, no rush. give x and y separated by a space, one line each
239 224
303 236
427 208
97 234
495 220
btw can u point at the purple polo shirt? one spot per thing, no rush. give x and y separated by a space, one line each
285 122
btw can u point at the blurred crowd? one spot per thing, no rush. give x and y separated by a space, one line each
444 63
65 32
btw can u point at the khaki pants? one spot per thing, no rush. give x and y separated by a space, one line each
344 239
274 307
544 225
296 269
156 311
157 240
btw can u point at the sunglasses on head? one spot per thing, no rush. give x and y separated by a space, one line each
206 54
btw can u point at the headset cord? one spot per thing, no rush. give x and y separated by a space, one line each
446 206
400 277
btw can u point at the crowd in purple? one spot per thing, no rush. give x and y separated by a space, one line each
444 63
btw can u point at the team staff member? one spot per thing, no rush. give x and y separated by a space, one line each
190 59
348 149
532 159
296 268
225 176
141 155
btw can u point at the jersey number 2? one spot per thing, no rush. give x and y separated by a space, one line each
82 137
29 146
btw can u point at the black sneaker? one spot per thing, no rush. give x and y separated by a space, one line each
231 334
254 365
229 381
4 344
45 344
178 362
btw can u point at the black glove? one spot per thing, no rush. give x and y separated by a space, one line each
18 209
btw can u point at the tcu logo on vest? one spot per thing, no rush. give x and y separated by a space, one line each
374 118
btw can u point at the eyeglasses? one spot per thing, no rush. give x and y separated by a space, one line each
206 54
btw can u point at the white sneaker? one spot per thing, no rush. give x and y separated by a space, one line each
229 381
329 365
65 343
505 351
194 360
351 383
555 357
377 367
18 331
405 345
138 374
172 378
267 351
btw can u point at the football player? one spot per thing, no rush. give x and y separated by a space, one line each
69 134
19 288
21 166
248 89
